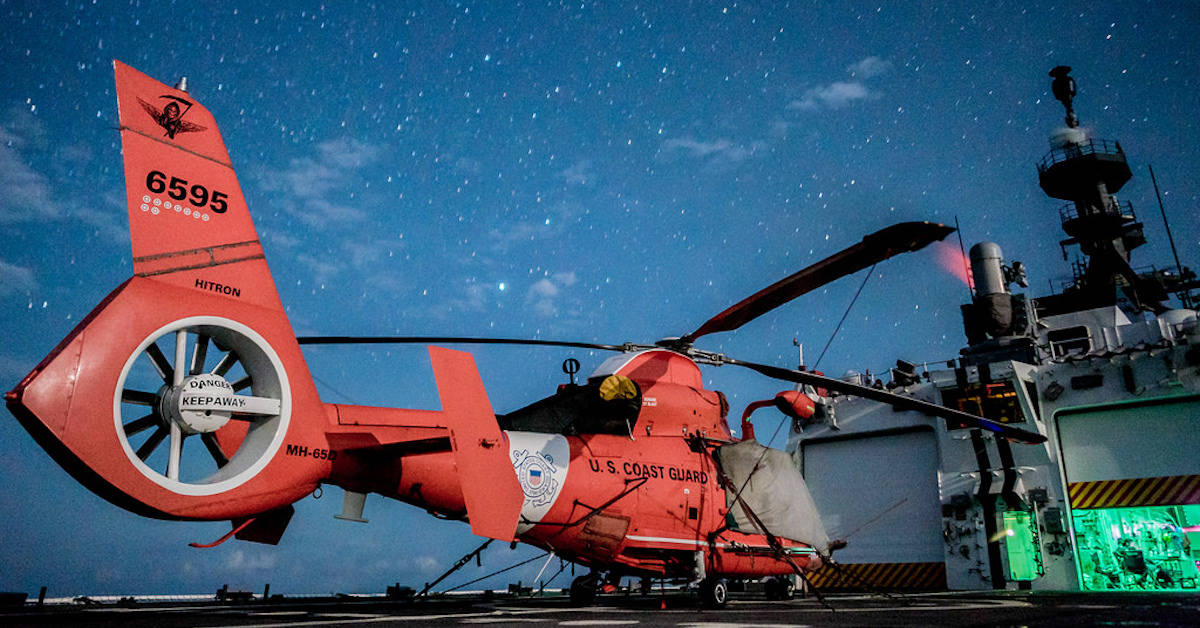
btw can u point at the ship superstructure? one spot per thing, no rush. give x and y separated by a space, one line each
1108 369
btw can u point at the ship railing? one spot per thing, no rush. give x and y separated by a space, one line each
1079 268
1073 150
1124 209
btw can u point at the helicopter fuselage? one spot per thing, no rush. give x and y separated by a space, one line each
646 499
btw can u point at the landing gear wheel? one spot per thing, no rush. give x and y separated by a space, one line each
714 593
583 590
205 377
779 588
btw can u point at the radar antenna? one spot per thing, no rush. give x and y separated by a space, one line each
1064 90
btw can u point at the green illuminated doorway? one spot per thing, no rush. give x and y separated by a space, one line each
1022 546
1145 548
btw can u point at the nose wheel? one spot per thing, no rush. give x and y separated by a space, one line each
202 405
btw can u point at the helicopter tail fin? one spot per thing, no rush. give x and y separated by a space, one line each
188 222
184 394
180 394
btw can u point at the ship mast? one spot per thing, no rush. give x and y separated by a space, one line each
1088 172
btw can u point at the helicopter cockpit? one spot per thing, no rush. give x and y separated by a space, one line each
604 405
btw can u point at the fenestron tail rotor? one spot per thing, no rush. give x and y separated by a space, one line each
165 402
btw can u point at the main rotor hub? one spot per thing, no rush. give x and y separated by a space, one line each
202 404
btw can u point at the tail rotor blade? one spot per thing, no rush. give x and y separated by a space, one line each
225 364
140 425
214 449
199 354
161 364
153 442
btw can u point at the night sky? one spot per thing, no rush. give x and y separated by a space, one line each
603 172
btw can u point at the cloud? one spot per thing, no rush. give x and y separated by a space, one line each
14 279
347 154
316 187
27 195
833 96
556 221
579 174
842 93
321 212
869 67
697 148
109 223
322 267
475 297
24 192
720 152
363 256
544 294
107 574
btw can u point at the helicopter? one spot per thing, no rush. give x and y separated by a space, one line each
634 471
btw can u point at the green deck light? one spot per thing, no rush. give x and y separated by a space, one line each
1022 545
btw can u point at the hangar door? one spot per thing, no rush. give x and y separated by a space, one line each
1133 477
890 484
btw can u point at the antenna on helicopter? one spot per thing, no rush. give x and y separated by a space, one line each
570 366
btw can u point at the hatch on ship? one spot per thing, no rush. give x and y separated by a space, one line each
885 485
1133 479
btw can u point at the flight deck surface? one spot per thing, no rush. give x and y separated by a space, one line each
942 609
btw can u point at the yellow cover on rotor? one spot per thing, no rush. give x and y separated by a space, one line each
618 387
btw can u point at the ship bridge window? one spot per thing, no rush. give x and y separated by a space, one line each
996 401
604 405
1070 340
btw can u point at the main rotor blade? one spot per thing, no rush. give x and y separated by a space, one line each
876 247
449 340
899 401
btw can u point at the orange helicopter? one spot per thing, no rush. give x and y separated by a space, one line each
634 471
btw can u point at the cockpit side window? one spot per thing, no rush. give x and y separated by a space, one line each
604 405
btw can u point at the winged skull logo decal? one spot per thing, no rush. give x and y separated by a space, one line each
170 117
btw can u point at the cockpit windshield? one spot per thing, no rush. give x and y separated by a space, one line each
604 405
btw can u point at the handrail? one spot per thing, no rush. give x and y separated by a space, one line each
1079 149
1124 209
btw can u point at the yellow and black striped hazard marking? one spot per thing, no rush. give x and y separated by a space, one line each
898 576
1170 490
